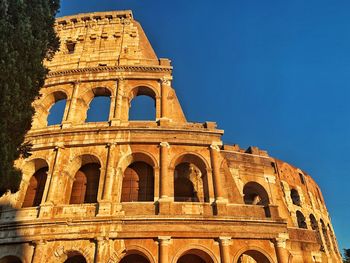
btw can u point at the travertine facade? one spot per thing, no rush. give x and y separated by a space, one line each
165 190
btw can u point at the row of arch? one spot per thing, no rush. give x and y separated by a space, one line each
135 256
190 182
324 231
142 104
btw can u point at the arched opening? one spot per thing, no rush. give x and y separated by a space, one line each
75 257
56 113
315 227
99 106
10 259
253 256
325 235
195 256
255 194
85 185
142 104
190 180
134 258
295 197
56 102
142 108
35 188
332 237
187 183
301 220
138 183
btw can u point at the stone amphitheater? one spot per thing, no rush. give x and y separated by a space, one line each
161 190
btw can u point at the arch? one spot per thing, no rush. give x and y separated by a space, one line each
315 227
255 194
143 89
142 108
190 179
249 255
332 237
56 112
196 252
85 185
10 259
301 220
75 257
43 108
255 253
138 252
325 235
138 156
36 187
80 160
99 105
294 195
138 183
140 104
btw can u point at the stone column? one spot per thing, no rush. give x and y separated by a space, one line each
105 202
116 102
214 157
39 251
280 247
164 242
50 198
225 249
165 87
71 105
109 174
101 249
164 177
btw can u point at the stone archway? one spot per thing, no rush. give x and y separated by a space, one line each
253 256
195 256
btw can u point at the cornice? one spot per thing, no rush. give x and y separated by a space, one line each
122 68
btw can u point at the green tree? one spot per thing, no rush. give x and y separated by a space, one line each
27 37
346 257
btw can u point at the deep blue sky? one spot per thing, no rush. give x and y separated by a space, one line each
273 74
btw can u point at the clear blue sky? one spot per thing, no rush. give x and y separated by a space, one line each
273 74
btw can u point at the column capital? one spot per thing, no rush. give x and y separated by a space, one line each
225 241
164 144
165 81
164 240
215 147
280 240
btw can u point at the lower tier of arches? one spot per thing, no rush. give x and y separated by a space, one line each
162 249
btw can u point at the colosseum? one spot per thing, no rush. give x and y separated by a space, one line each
162 190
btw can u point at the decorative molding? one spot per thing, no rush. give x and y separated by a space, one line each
109 68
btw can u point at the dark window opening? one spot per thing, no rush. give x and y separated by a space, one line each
255 194
302 179
295 197
35 188
301 220
188 184
70 47
134 258
85 185
138 183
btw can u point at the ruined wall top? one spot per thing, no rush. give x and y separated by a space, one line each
101 39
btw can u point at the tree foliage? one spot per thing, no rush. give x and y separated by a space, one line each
27 38
346 258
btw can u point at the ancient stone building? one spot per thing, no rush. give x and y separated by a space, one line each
160 190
